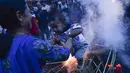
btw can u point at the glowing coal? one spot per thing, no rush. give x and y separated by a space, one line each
70 64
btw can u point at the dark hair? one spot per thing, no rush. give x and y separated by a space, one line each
9 20
60 17
8 9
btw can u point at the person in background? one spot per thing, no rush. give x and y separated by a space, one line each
62 5
43 23
19 52
38 4
30 5
35 10
35 31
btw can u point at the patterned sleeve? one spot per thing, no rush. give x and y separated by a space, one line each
78 44
51 52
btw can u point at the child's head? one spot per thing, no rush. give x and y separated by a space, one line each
58 23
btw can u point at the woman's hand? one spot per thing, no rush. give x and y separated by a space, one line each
70 64
55 40
86 55
95 49
68 44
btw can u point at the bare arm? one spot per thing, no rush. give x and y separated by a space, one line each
75 32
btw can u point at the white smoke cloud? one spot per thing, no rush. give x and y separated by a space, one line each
104 19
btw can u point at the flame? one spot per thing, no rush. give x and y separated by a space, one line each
109 65
71 63
118 65
114 68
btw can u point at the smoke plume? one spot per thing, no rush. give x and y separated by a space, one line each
103 24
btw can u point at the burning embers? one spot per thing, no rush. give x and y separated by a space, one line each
117 68
70 64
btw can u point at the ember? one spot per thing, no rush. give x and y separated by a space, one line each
109 65
70 64
118 65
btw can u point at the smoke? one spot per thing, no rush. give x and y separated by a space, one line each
103 22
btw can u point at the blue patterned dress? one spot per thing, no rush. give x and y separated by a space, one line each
25 53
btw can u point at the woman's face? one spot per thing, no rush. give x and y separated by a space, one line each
26 19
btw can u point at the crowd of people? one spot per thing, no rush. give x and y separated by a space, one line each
44 11
33 33
58 20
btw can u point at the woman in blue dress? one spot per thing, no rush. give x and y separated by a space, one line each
20 53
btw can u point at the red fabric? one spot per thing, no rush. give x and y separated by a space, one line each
35 29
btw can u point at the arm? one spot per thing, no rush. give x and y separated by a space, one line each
50 52
68 43
75 32
97 51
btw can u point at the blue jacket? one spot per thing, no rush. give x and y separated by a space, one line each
25 53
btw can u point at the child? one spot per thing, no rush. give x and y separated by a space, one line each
64 31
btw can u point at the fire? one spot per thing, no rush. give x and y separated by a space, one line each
109 65
118 65
70 64
114 68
